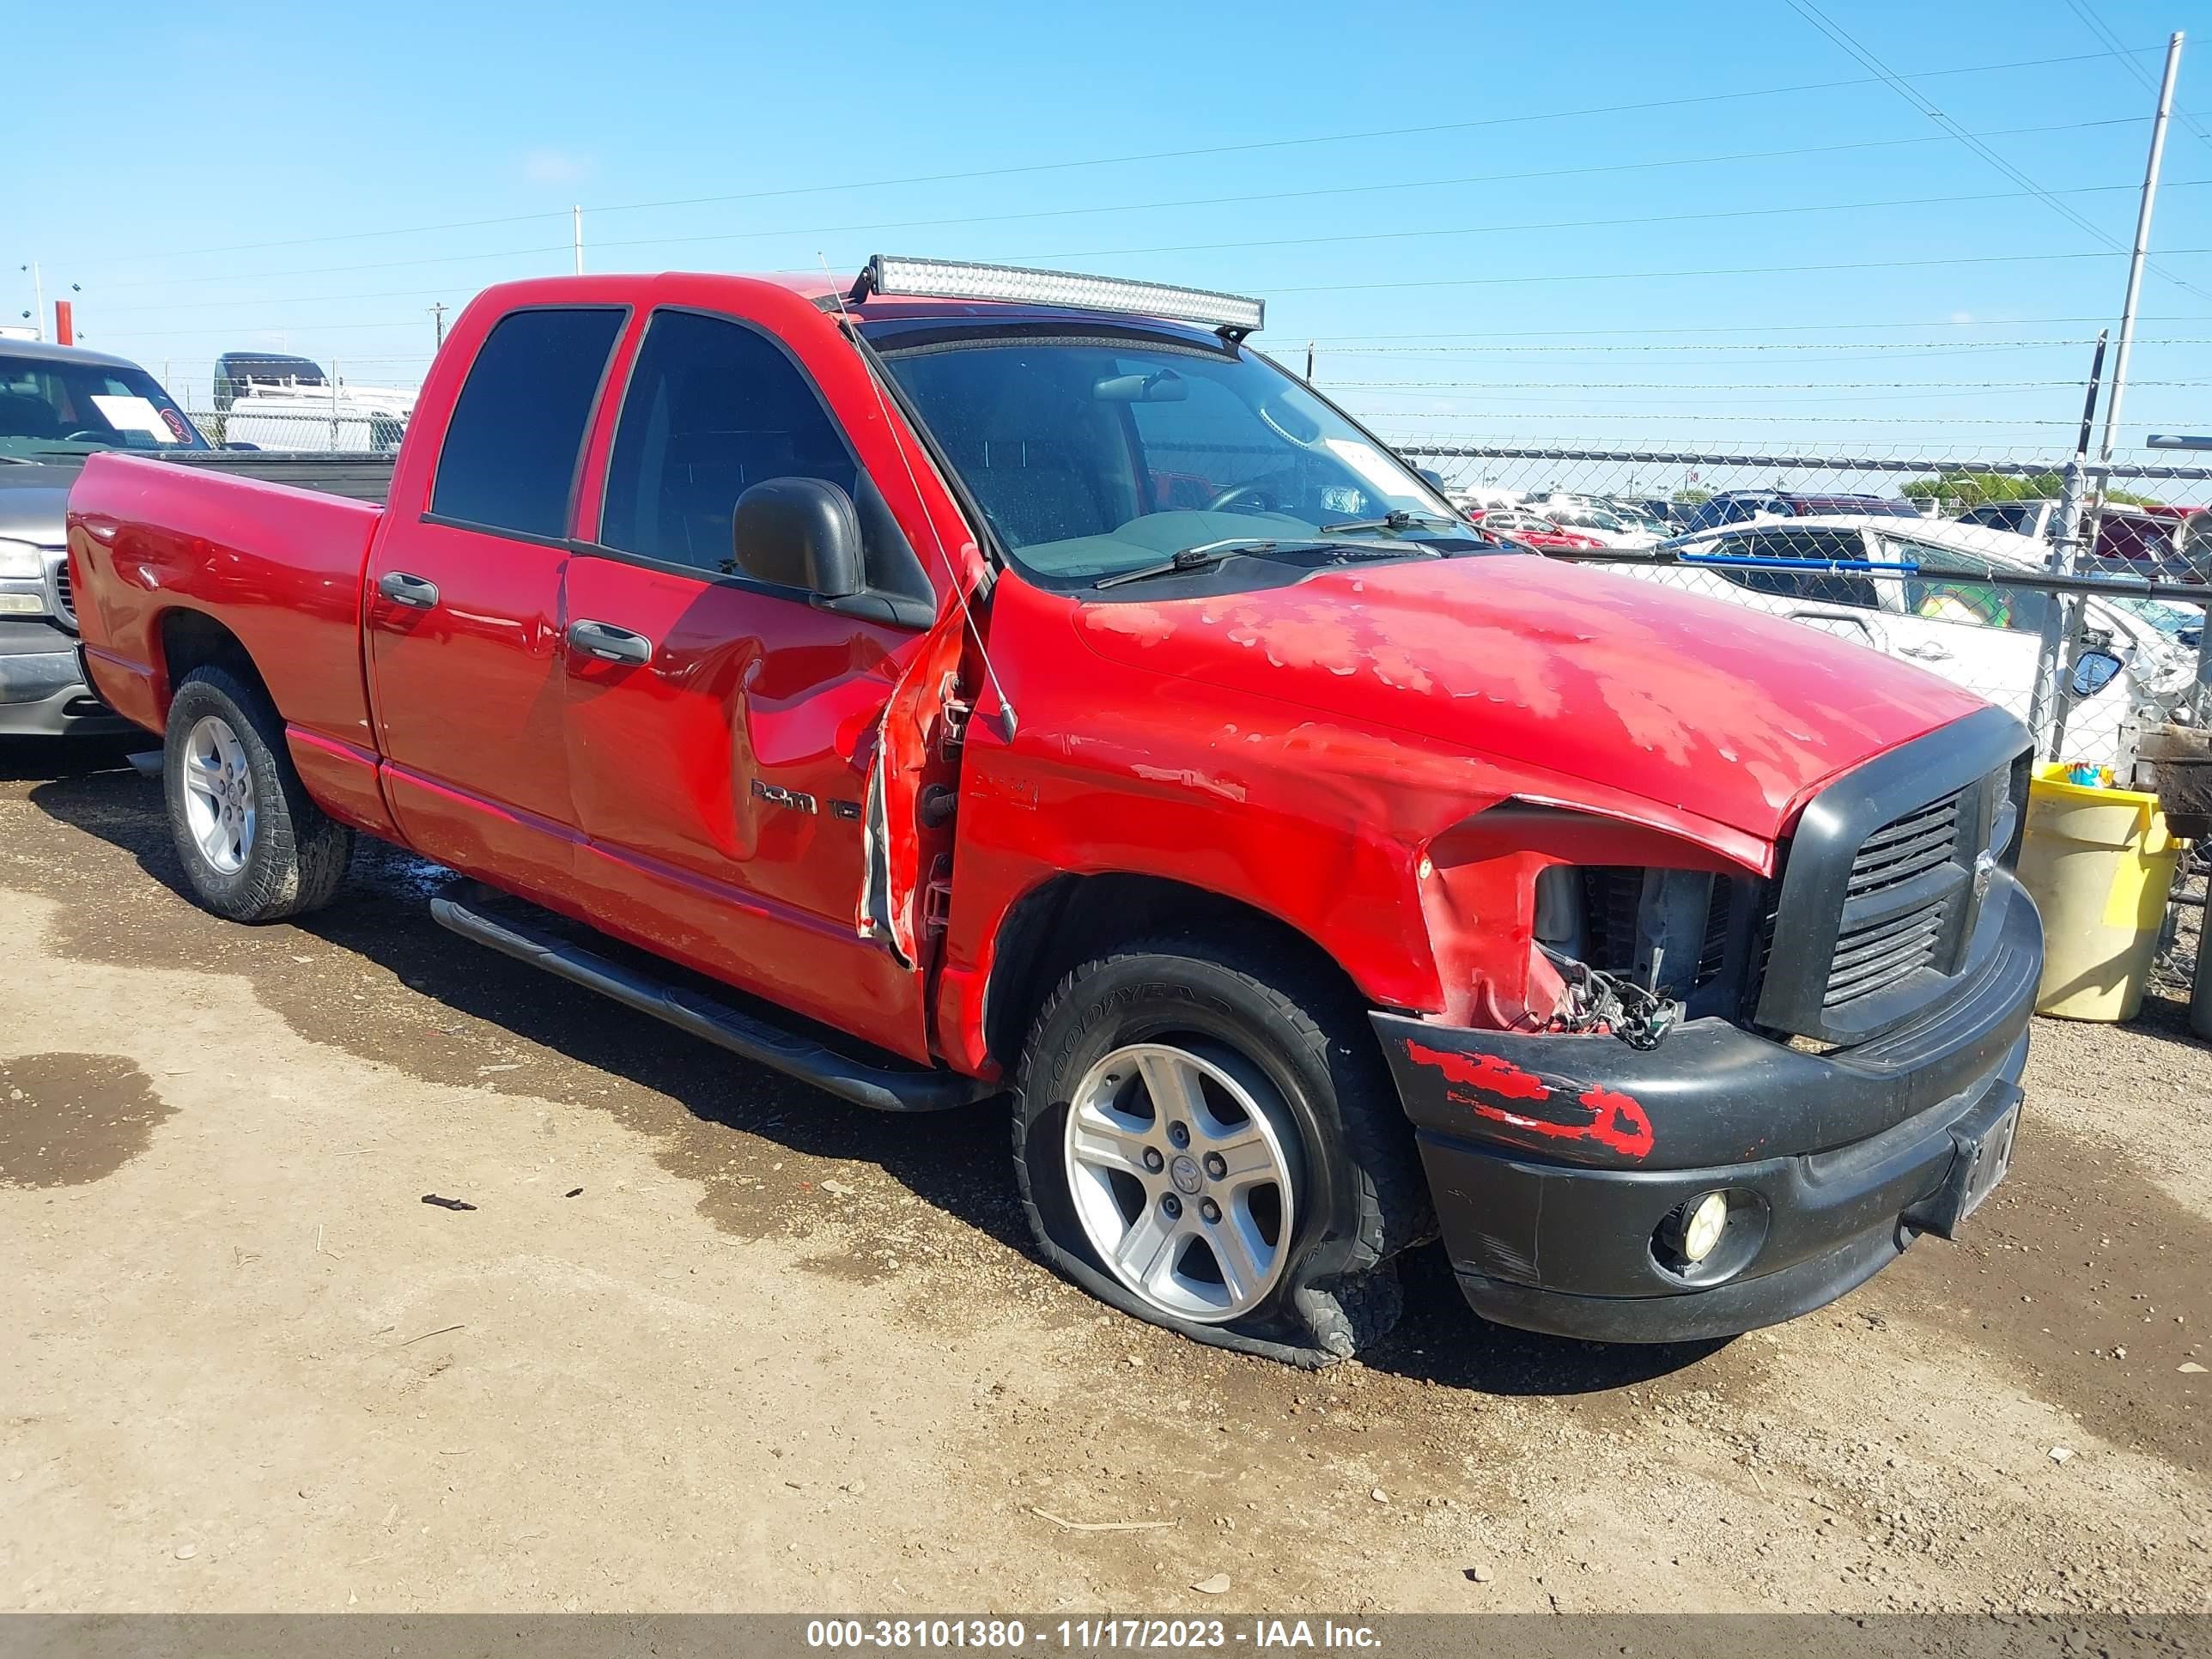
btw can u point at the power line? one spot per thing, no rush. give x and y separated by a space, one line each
1591 224
1186 154
1751 328
1300 241
1182 202
1362 190
1909 347
1713 270
2095 25
1322 287
1841 37
1673 417
1929 386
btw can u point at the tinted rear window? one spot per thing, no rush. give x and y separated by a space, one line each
510 451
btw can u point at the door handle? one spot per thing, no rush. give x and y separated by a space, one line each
610 644
413 592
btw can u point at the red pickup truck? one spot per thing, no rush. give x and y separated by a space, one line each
1016 685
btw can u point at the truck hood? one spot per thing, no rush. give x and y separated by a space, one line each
1703 707
34 501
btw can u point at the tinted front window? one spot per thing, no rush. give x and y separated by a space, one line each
1097 452
713 409
2019 517
1810 586
59 407
510 451
1937 594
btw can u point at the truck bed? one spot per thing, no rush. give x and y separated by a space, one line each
268 549
360 475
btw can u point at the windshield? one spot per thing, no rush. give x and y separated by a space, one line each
51 407
1104 452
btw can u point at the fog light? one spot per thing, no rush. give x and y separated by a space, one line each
1704 1220
21 605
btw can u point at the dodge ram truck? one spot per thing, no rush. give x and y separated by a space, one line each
972 684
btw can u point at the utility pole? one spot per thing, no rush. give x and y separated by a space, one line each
38 300
576 218
2143 244
2064 555
438 323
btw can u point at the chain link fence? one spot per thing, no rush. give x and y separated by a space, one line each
1944 560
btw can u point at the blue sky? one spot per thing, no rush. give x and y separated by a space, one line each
1491 253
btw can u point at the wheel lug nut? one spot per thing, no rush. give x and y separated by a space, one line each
1210 1210
1179 1133
1153 1161
1172 1206
1216 1165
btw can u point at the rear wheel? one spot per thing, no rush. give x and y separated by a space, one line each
1209 1140
253 846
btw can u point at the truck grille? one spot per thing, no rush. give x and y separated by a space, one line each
1879 910
1874 955
57 584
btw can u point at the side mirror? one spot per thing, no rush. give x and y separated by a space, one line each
800 532
2093 672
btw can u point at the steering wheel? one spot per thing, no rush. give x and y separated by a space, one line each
1243 497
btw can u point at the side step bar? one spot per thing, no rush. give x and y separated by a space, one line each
885 1088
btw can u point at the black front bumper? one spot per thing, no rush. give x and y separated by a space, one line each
1556 1161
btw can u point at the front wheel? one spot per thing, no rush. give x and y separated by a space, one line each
254 846
1212 1143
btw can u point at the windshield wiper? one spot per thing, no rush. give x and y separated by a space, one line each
1204 556
1396 519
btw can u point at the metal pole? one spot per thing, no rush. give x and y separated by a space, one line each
2143 244
37 302
576 218
2044 720
2152 164
334 403
1309 362
438 323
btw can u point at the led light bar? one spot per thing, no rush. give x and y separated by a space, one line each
955 279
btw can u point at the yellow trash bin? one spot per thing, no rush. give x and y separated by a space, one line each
2099 865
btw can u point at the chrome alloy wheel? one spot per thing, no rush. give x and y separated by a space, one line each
218 794
1182 1183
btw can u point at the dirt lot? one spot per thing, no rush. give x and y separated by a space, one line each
712 1340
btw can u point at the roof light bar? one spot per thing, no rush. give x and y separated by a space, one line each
955 279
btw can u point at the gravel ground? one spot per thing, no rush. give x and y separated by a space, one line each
710 1340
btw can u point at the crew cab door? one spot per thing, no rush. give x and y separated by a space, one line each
462 609
720 727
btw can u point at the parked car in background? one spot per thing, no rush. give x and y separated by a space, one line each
58 405
1675 515
1522 528
1984 638
241 374
1748 505
272 400
2175 540
1579 515
334 418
